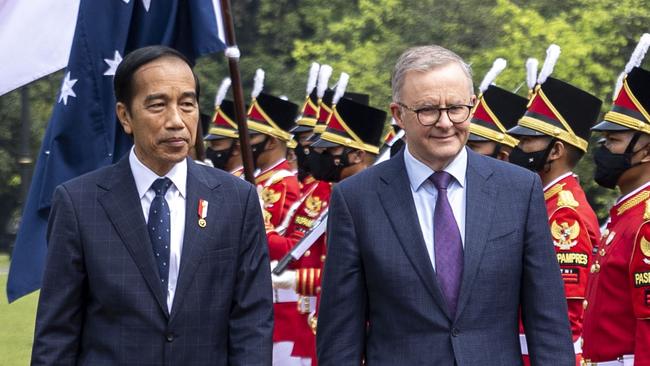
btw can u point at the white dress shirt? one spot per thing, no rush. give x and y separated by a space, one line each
425 195
175 196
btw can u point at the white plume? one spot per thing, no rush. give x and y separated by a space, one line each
635 60
619 84
552 54
639 53
323 78
258 84
531 72
340 87
497 67
221 93
313 77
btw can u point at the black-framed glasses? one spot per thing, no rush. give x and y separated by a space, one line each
429 116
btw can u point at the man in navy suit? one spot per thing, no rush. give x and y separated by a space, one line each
155 260
432 261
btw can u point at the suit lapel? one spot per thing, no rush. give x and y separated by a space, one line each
196 238
397 200
479 208
122 205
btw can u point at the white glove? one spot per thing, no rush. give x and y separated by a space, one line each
286 280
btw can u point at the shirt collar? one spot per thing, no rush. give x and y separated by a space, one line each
144 177
418 172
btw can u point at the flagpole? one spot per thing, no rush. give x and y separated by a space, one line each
232 52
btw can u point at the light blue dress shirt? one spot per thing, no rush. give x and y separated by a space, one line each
425 195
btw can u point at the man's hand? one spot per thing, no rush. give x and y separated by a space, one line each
286 280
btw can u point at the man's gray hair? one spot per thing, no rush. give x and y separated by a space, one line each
425 58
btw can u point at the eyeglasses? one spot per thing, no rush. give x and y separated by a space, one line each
429 116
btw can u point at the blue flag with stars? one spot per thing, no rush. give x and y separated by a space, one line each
83 133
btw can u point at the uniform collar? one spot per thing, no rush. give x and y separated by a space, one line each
556 180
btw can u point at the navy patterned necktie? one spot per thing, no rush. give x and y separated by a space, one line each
447 242
159 227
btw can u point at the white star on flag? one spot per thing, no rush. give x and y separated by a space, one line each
146 3
112 64
66 89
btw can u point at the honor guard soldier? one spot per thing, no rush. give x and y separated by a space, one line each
495 111
290 308
348 145
222 138
617 307
269 121
308 117
553 136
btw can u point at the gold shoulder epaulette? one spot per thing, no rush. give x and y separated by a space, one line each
646 214
633 202
566 199
553 191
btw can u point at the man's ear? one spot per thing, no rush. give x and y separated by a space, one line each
646 153
503 155
272 142
396 112
557 152
123 115
356 156
236 151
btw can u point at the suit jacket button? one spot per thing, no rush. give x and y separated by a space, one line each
169 337
455 332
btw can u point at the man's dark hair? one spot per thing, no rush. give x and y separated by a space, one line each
123 81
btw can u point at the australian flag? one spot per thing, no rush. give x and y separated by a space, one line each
83 133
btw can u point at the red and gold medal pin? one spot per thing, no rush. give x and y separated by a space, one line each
203 212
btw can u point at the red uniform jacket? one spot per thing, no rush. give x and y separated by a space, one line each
279 189
575 232
617 305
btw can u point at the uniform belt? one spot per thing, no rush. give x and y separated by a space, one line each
284 295
577 345
627 360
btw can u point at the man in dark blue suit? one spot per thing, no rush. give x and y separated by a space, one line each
155 260
432 260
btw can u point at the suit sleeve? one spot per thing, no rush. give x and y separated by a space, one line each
251 315
343 305
543 304
59 319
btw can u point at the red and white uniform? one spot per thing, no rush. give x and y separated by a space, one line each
575 232
295 326
617 305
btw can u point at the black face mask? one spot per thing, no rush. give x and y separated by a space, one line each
397 146
328 167
610 167
220 158
302 155
258 149
533 161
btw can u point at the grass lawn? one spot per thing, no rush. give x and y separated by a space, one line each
16 323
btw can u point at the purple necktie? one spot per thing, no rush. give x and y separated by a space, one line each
447 243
